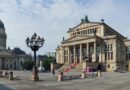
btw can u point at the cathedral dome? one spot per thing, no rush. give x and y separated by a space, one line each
3 36
2 25
2 28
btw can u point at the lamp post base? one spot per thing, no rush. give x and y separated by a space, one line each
35 77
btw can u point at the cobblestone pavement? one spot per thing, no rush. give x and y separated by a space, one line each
109 81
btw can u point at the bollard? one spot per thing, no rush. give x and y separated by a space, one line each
1 76
60 76
11 76
99 73
83 75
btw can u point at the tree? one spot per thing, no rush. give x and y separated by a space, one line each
47 61
28 64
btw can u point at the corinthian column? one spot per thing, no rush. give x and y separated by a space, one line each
87 47
81 53
74 55
68 54
95 50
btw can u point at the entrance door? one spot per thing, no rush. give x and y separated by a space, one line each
78 58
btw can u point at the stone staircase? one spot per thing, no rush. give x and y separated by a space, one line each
68 68
63 67
74 68
77 68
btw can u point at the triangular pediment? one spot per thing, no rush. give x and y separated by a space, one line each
76 38
84 25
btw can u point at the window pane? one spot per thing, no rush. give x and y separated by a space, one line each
105 56
128 48
105 47
111 47
129 57
108 55
111 55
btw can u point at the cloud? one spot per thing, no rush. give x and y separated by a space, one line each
52 18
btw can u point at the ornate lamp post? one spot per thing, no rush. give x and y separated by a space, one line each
35 42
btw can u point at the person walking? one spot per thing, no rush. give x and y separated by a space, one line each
53 72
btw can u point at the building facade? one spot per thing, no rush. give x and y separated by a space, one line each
10 59
97 42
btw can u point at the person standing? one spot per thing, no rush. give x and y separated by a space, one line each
53 72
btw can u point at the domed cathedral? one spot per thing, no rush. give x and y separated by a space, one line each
96 43
3 36
9 59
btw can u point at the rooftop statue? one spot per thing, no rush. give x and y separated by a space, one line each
85 19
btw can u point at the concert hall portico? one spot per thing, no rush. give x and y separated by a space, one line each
77 49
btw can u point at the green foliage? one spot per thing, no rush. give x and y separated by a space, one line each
28 64
47 61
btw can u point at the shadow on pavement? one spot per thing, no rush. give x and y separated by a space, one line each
3 87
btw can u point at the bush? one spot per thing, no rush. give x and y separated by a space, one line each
28 64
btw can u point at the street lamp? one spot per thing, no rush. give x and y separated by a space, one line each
35 42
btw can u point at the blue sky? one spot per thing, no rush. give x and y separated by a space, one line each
52 18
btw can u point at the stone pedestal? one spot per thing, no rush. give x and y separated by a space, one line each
6 74
52 67
11 76
35 74
84 65
83 75
99 73
1 74
41 68
60 76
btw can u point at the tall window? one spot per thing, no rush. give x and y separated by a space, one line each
127 52
109 52
88 31
127 48
85 31
78 32
108 65
66 55
111 55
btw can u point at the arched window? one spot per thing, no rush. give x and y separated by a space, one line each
108 65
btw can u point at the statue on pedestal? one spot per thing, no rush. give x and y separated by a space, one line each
41 68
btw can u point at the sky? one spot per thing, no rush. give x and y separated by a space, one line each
51 19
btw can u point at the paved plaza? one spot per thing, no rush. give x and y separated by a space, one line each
109 81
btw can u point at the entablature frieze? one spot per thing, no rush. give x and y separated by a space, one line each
77 42
74 41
